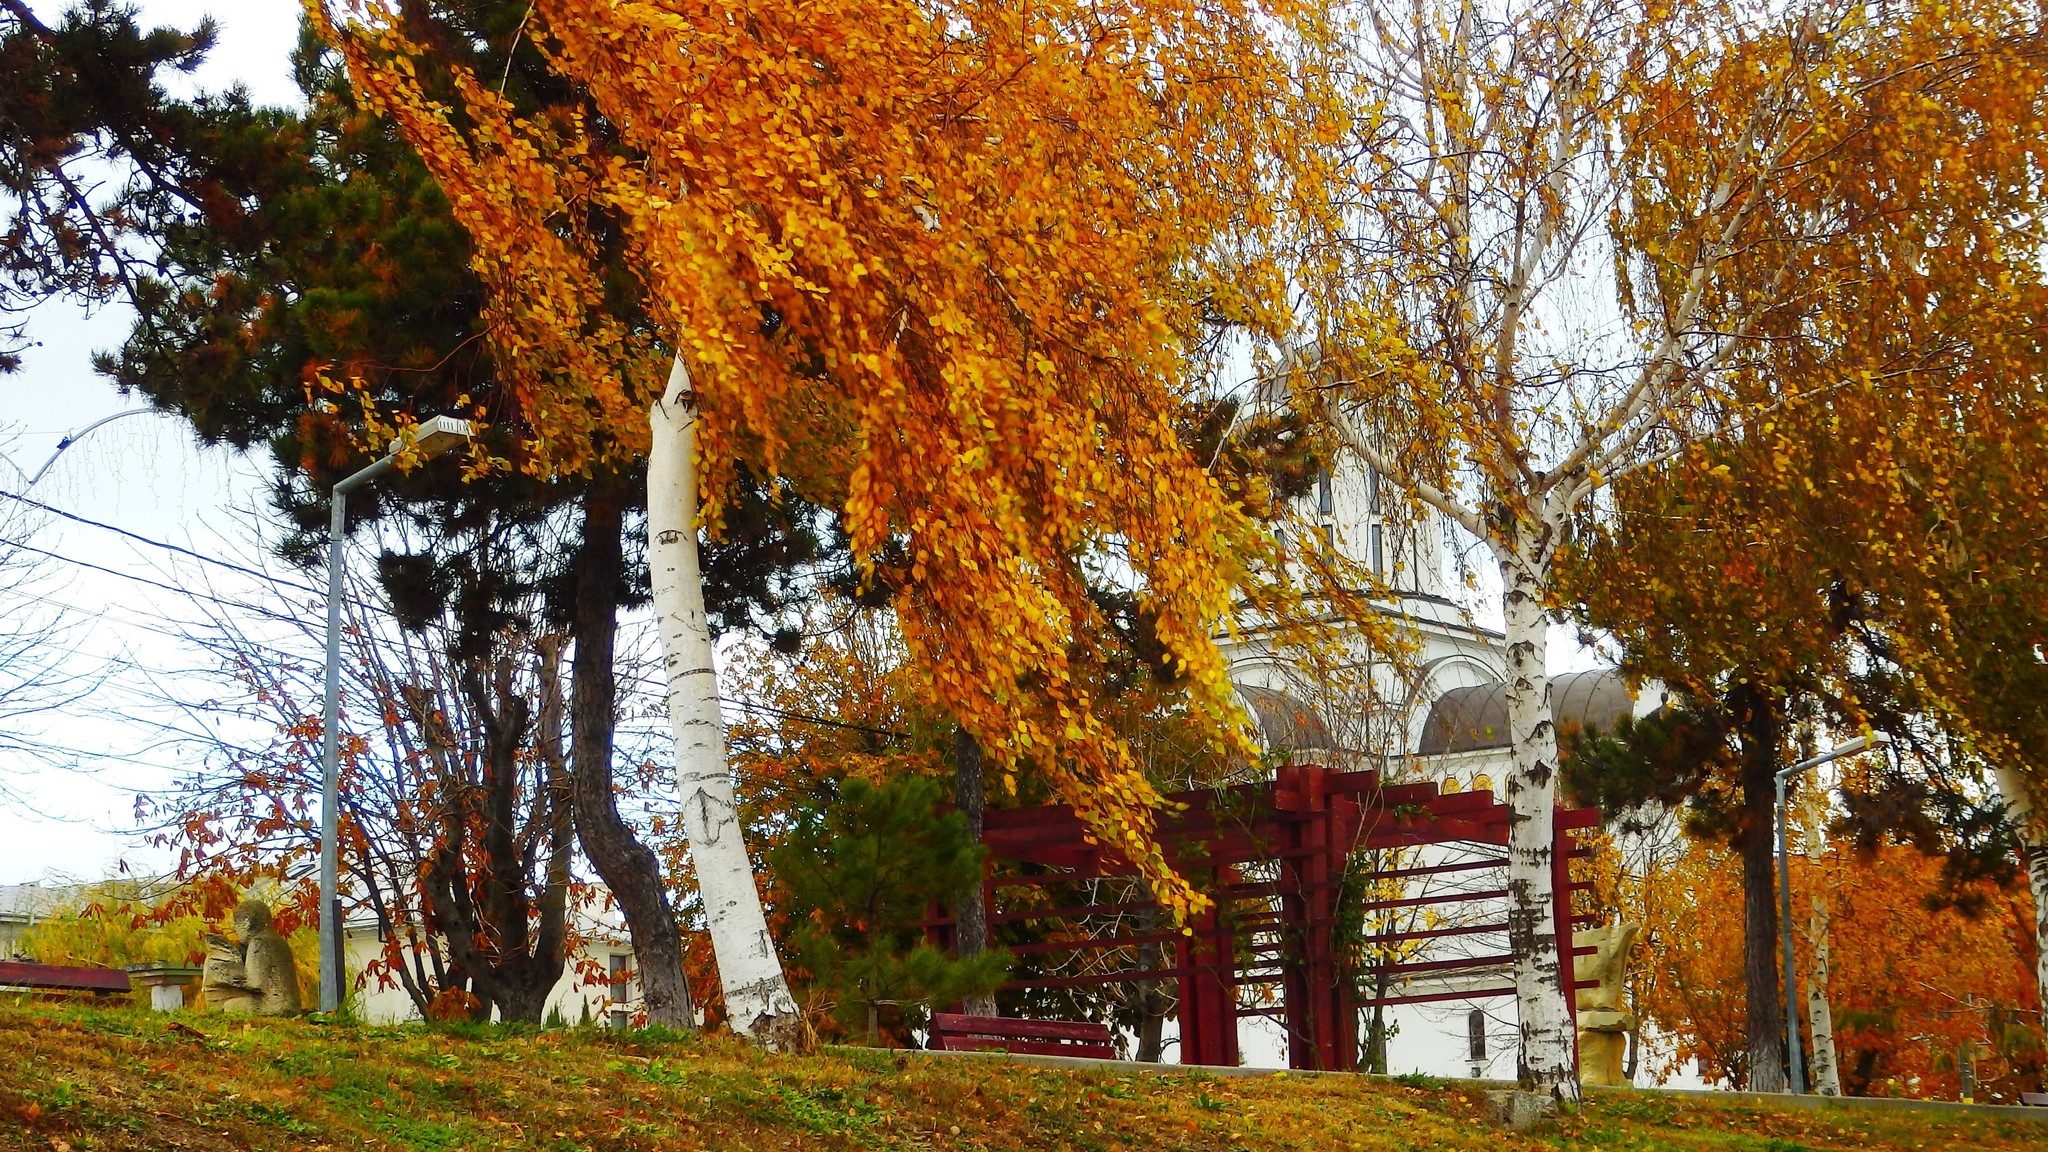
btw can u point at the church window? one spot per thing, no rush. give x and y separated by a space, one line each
1326 500
1379 557
1372 491
1328 536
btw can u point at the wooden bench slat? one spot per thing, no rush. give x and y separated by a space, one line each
954 1024
15 973
1027 1047
955 1032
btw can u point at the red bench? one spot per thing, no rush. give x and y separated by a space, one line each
17 976
952 1032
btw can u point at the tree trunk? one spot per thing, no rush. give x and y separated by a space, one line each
1758 717
1548 1047
1376 1027
553 900
970 908
757 1000
1827 1078
1151 998
628 868
1824 1072
2033 838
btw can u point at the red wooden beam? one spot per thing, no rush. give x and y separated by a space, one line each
1445 898
60 978
1093 944
1435 933
1440 869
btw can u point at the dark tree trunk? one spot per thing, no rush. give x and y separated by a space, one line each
1759 719
503 923
970 913
1376 1027
629 868
1153 1006
1154 1000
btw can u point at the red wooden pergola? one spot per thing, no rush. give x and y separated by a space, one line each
1299 829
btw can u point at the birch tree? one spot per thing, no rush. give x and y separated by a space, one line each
1551 242
757 997
1820 1016
2033 839
941 261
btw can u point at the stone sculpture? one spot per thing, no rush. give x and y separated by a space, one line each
255 975
1604 1018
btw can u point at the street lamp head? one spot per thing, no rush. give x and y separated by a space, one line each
435 436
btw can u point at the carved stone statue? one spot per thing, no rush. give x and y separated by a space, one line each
221 979
253 976
1604 1018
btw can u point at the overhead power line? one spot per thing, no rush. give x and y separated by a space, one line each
151 583
744 705
783 714
168 547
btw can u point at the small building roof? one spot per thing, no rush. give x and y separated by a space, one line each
1285 722
1468 719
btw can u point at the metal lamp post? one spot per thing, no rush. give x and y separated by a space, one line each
1860 744
430 438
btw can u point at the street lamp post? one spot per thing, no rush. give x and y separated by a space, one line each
1860 744
429 439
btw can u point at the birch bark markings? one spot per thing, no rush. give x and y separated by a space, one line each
2033 838
1549 1047
757 999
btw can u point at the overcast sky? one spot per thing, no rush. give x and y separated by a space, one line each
144 474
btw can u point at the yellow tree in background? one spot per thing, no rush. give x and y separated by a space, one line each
1554 241
1915 992
951 263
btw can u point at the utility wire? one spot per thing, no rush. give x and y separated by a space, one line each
779 713
179 549
152 583
746 706
782 714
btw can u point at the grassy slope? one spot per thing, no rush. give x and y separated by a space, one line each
73 1077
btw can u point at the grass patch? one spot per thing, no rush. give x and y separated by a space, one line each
94 1078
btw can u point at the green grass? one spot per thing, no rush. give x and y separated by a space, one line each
81 1078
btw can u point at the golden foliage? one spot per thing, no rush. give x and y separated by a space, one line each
1910 984
951 262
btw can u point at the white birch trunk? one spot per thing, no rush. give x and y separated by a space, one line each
1827 1074
757 1000
1549 1048
1826 1071
2033 837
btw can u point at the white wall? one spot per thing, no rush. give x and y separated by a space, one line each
573 1000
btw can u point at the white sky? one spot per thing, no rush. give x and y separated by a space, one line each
145 474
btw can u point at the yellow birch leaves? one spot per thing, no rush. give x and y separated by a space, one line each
946 262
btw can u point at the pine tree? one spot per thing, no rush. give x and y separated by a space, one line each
863 868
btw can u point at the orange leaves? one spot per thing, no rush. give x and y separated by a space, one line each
946 263
1908 986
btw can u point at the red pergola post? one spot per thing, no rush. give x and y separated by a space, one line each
1208 996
